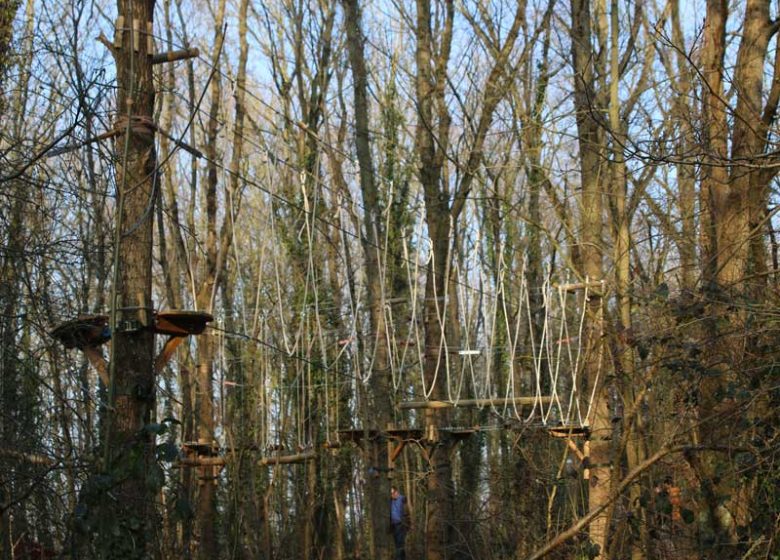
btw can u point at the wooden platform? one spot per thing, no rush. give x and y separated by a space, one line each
176 322
83 332
201 448
93 330
568 431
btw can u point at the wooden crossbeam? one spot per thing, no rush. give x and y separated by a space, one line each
202 462
594 287
173 56
31 458
166 353
413 405
287 459
98 361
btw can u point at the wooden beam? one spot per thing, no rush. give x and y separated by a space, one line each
576 450
411 405
396 452
287 459
202 462
97 360
31 458
173 56
576 286
170 347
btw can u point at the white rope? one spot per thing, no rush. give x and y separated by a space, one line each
598 365
279 297
412 276
575 372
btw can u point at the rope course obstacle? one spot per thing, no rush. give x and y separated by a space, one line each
89 332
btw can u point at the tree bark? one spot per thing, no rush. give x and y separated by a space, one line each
129 448
379 403
592 167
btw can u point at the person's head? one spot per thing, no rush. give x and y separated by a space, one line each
394 493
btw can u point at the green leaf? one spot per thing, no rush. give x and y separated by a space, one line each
687 515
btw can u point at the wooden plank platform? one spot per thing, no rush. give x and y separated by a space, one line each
175 322
201 448
568 431
83 332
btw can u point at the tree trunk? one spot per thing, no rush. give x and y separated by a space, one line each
129 449
590 254
378 406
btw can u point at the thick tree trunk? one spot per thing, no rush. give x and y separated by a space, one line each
736 266
592 185
378 407
130 449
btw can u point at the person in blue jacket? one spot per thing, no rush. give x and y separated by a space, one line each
400 521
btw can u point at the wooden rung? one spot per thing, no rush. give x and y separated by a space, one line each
412 405
84 331
118 31
31 458
575 286
173 56
287 459
202 462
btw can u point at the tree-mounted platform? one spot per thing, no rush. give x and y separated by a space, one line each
178 325
201 448
83 331
176 322
397 439
88 332
569 431
94 330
